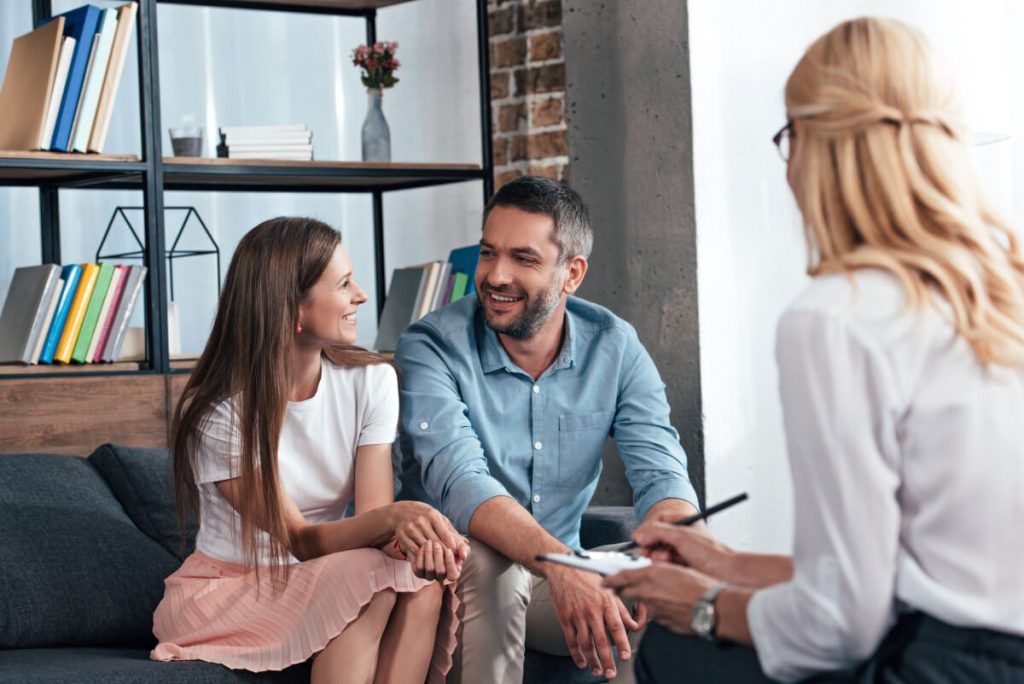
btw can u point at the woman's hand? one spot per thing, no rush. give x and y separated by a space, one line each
695 549
414 525
434 561
669 592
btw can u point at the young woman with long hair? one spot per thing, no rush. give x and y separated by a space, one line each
901 370
283 424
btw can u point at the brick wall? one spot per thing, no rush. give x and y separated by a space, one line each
527 89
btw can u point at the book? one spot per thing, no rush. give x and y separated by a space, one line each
301 156
447 299
112 77
51 311
25 94
25 308
442 286
81 24
403 297
92 313
464 260
459 286
70 274
426 300
134 279
263 131
67 47
81 99
234 149
76 314
109 307
90 99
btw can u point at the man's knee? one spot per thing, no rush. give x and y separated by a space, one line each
490 574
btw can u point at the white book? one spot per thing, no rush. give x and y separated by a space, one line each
301 156
115 278
276 139
270 148
112 77
94 80
263 130
47 321
67 48
78 107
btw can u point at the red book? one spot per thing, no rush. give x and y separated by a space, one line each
105 325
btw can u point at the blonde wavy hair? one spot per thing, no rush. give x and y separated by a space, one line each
885 180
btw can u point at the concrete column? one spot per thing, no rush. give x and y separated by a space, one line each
631 158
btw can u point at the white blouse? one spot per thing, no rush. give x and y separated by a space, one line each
907 459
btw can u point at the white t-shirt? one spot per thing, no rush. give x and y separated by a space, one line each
353 406
907 461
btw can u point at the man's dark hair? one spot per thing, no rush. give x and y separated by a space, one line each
539 195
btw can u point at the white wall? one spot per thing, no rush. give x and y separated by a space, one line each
750 248
237 67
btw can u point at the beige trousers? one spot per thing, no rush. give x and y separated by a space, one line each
505 610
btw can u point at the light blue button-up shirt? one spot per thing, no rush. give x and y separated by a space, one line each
475 426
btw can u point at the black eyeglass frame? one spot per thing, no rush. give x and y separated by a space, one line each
777 138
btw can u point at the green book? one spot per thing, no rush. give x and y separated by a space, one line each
459 286
92 313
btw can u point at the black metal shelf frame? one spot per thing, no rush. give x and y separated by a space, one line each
151 174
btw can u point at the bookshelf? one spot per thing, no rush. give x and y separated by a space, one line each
154 174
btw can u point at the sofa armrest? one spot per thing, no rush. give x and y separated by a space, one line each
606 525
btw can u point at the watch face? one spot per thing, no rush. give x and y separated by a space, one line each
703 618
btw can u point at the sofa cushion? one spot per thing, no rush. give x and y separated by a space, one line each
124 666
75 569
141 480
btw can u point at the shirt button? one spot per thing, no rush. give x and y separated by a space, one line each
424 425
537 445
536 498
536 389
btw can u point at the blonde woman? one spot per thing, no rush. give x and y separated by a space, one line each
282 424
902 381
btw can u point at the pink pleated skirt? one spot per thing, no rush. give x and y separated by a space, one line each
211 611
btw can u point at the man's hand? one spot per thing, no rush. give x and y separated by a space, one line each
588 614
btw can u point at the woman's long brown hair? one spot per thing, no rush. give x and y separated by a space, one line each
247 362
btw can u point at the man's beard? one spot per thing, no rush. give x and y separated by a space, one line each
538 310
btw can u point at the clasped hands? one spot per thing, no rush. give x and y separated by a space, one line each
428 540
687 562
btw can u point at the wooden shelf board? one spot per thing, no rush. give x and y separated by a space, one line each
26 168
61 369
214 172
340 6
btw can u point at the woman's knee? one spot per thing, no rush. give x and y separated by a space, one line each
425 602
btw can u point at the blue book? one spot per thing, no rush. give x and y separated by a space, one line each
464 260
80 24
70 275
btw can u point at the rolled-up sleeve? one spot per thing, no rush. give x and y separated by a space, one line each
838 401
436 423
654 459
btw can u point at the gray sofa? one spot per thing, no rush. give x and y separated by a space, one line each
85 545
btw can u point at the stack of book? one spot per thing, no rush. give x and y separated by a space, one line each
417 290
288 141
62 80
75 314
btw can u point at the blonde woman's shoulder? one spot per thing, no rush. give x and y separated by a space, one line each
865 293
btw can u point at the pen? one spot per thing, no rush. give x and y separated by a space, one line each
711 510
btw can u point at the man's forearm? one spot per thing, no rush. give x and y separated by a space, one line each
507 527
670 510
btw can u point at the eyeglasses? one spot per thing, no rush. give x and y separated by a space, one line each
783 140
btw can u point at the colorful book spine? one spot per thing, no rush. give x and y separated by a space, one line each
50 313
92 313
110 303
76 315
80 24
459 287
135 278
94 80
71 274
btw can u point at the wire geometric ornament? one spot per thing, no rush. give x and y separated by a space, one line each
173 253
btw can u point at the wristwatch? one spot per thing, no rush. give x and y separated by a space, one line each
704 619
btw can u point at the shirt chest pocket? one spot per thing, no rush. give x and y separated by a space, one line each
581 439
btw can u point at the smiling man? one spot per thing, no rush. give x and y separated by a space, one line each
508 399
